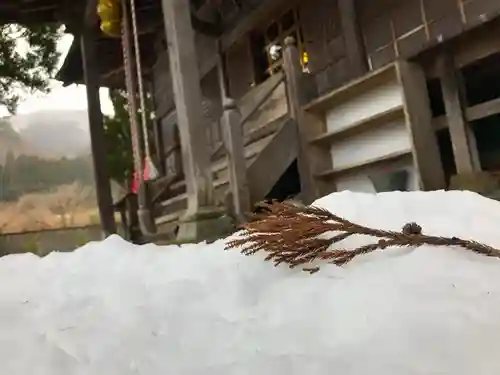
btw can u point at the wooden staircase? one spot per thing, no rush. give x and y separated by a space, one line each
270 147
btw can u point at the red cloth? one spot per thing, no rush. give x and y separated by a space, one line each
135 178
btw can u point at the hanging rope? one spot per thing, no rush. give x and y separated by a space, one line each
152 171
132 99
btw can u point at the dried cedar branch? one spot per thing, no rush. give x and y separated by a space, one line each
297 235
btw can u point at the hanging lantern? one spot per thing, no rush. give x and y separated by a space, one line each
109 13
305 58
111 29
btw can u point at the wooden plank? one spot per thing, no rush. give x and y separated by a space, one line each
233 142
473 113
257 95
188 102
360 127
273 161
463 142
353 39
351 89
381 160
472 44
97 138
319 156
267 10
483 110
296 95
425 150
90 14
157 133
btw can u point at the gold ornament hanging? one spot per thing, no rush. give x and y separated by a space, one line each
109 13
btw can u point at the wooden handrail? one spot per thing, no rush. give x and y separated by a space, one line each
171 150
262 100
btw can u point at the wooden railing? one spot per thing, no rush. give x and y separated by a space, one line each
248 106
232 125
227 136
263 99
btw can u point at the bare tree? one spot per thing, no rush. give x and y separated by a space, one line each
66 200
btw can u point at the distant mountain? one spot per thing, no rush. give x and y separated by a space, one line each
11 141
49 134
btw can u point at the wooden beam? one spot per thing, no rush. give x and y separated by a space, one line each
296 95
267 10
474 43
188 103
272 161
158 133
222 73
462 138
98 143
425 150
237 167
90 16
353 39
472 113
378 161
206 28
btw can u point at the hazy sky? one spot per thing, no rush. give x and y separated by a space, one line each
62 98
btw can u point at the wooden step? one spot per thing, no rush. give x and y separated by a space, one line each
164 211
170 210
273 161
219 168
253 135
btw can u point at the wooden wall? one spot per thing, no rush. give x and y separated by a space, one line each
239 63
401 28
390 29
324 42
206 48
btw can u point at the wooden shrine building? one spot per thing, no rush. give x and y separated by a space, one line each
259 99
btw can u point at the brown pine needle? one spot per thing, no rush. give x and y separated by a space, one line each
296 235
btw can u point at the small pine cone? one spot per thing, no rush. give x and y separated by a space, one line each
412 228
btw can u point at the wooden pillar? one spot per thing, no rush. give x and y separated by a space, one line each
297 97
98 144
418 116
235 149
222 73
353 40
462 137
158 134
188 102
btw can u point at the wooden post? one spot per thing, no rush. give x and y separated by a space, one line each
353 40
235 150
462 137
222 73
158 134
418 116
188 102
98 144
297 97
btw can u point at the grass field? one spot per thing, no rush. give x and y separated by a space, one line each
67 206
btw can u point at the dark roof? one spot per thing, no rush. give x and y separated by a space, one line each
150 24
110 61
109 50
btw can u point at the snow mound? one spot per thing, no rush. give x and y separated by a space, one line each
115 308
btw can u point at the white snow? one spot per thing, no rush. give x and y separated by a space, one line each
112 308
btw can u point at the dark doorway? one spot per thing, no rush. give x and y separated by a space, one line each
288 185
